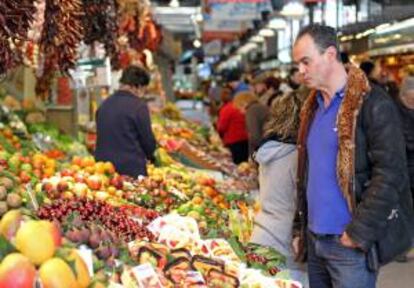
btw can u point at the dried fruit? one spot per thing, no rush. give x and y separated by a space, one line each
15 19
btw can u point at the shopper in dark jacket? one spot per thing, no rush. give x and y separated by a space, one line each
256 116
124 134
353 188
406 106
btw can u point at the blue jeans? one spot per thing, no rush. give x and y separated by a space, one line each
330 264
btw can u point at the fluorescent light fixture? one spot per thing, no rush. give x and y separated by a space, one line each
257 39
165 10
395 27
293 9
266 32
277 24
368 32
197 43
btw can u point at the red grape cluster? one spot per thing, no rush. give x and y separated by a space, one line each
100 212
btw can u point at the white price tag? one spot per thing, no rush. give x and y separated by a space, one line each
86 255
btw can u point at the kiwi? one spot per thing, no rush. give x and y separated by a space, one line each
6 182
3 193
3 208
14 200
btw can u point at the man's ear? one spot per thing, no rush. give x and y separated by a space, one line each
331 52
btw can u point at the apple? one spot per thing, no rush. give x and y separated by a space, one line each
67 173
94 182
24 177
117 182
80 178
47 187
80 189
16 271
62 186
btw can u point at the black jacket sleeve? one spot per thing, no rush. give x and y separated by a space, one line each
386 155
145 135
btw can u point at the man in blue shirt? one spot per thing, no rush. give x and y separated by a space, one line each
235 82
353 195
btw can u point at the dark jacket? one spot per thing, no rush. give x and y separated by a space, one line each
371 164
256 116
407 118
124 134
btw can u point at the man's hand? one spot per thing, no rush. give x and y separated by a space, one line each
347 241
295 245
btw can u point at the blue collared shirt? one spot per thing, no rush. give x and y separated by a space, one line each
328 212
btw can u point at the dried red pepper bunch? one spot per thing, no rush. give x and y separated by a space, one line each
61 35
15 19
100 23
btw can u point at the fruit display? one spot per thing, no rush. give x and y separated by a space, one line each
33 252
179 225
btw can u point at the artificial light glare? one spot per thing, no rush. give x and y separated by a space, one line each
266 32
257 39
293 10
174 4
277 24
197 43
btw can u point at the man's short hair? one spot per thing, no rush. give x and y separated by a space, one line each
293 70
233 75
135 76
367 67
323 36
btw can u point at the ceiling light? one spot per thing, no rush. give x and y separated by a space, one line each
174 4
197 43
293 10
395 27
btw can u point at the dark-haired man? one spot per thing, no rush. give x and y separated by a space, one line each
124 133
353 186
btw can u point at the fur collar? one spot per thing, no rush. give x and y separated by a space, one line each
355 92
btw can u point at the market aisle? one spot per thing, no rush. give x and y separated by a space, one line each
399 275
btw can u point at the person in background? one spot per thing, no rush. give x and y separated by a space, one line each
124 133
231 126
345 58
235 82
266 88
277 159
354 204
294 78
256 116
405 103
371 71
